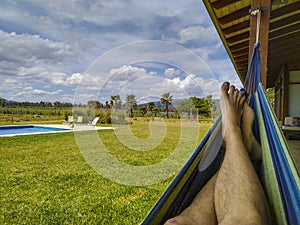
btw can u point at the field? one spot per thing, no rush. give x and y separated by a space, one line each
46 180
19 115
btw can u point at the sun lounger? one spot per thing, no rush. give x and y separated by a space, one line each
79 119
94 121
69 121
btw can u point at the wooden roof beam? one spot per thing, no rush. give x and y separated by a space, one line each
284 22
234 15
244 66
240 52
239 46
238 38
286 48
241 60
222 3
284 39
285 9
285 31
294 54
237 27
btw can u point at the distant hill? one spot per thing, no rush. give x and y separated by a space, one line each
7 101
3 101
158 104
175 102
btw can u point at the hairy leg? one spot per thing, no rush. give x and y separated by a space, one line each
201 211
252 145
239 197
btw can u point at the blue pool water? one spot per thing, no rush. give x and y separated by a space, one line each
21 130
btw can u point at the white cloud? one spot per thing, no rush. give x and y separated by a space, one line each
47 45
128 71
202 34
29 91
191 86
75 79
32 58
170 72
124 80
30 48
21 91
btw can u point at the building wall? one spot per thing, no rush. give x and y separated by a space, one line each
294 93
287 94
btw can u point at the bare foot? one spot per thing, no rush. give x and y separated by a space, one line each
231 102
252 145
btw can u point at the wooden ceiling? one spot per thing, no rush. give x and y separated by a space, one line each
232 20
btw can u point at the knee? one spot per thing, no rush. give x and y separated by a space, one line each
171 221
179 220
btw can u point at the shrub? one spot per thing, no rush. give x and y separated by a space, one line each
104 116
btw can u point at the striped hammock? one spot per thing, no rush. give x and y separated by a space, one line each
280 176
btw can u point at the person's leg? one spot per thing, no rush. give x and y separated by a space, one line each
251 144
201 211
238 197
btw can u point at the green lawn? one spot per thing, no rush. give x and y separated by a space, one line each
45 180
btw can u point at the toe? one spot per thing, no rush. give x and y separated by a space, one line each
231 89
225 87
241 98
236 93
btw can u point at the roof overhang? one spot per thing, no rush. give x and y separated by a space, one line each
232 21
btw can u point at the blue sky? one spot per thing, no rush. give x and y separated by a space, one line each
80 50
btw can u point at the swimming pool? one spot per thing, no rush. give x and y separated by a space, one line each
28 129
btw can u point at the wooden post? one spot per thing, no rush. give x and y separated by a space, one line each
265 5
286 81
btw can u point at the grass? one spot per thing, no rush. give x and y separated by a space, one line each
45 180
9 119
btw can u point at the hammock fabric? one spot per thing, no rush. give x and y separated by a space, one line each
280 173
280 176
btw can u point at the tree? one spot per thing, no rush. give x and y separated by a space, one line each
57 104
185 106
130 103
212 103
2 102
48 104
151 107
115 102
156 111
202 105
166 99
107 105
42 104
143 110
94 104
